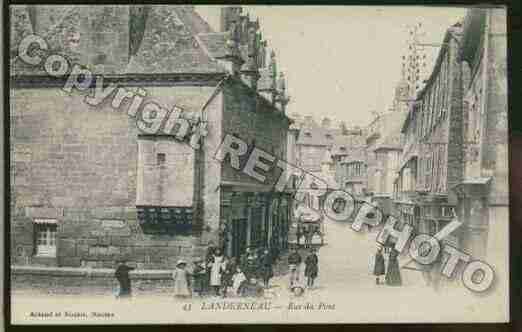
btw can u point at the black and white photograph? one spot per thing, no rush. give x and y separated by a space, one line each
254 164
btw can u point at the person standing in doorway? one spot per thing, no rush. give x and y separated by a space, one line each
311 268
294 261
122 275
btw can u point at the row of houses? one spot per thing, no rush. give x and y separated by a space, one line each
442 151
88 187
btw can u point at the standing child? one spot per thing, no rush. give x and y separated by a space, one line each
181 280
238 281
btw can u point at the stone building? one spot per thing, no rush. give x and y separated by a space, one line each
432 155
482 192
88 186
454 161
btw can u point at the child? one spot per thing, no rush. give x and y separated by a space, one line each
238 281
199 274
181 280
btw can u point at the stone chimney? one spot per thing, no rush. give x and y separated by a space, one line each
261 59
283 98
326 123
272 68
250 70
229 15
232 59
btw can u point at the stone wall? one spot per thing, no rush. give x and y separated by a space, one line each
257 123
78 164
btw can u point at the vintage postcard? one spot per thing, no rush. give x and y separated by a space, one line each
179 164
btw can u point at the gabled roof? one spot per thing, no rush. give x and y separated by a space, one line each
343 144
169 44
316 136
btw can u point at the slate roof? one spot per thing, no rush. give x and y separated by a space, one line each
214 43
55 36
170 45
346 142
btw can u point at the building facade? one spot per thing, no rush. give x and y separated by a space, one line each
454 160
89 186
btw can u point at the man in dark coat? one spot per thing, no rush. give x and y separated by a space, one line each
311 268
378 266
122 275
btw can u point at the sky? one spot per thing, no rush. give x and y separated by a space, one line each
343 61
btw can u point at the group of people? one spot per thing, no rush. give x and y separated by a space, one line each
311 270
214 275
392 273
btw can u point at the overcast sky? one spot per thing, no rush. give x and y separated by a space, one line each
343 61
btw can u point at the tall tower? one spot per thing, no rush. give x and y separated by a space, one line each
414 61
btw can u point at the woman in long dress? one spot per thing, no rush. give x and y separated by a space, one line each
181 280
216 268
393 274
378 266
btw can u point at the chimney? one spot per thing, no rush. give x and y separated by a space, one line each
281 90
250 70
326 123
232 59
229 15
272 67
309 121
261 60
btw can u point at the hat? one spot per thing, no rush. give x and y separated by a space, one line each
181 262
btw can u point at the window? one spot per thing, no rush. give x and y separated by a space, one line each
161 159
45 237
342 148
328 136
308 134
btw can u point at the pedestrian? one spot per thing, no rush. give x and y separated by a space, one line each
238 281
122 275
244 258
209 257
267 271
294 261
378 265
311 268
252 265
216 269
228 272
199 274
393 274
181 279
